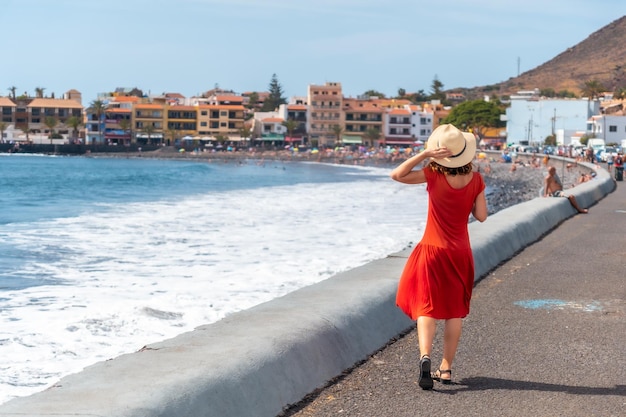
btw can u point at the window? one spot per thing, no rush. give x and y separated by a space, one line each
612 128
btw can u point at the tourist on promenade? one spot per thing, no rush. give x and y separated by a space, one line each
552 187
438 278
619 167
609 162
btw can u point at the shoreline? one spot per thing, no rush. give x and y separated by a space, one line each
507 184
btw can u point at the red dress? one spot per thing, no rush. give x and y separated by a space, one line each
438 277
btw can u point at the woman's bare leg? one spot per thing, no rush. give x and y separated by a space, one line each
426 328
451 336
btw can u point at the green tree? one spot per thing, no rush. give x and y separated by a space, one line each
475 115
550 140
253 100
374 93
275 97
39 92
436 90
401 92
419 97
50 122
565 94
74 122
620 93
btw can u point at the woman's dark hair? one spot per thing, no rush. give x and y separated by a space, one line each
463 170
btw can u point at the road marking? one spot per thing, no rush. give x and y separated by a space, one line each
555 304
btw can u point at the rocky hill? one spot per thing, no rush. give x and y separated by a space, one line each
601 57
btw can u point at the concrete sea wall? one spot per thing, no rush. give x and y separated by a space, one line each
256 362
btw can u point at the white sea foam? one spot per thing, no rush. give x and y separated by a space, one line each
134 274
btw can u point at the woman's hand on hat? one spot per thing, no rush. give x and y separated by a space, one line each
439 153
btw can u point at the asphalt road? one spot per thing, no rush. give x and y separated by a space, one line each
546 336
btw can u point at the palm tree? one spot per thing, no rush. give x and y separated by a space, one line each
245 133
291 125
12 90
74 122
338 132
148 130
50 122
125 125
98 107
39 92
592 89
172 135
372 134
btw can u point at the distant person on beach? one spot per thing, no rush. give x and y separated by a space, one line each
552 187
438 277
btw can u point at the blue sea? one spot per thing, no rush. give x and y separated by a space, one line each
101 256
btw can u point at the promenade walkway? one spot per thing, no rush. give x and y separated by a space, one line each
546 336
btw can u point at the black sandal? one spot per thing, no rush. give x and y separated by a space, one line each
425 380
437 376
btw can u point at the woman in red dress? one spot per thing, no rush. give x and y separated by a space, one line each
438 278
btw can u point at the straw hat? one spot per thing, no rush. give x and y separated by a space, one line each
461 144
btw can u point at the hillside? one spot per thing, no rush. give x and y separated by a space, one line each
600 57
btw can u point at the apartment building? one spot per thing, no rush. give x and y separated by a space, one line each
118 126
38 118
398 127
181 123
221 116
148 121
325 107
363 122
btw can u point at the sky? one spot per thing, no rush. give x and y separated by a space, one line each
191 46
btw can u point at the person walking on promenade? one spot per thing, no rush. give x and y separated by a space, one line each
438 278
552 187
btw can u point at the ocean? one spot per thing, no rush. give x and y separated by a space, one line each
102 256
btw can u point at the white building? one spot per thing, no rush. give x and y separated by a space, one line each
611 128
530 119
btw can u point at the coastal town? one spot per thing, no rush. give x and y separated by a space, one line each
324 118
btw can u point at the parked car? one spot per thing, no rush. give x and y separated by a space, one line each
603 154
